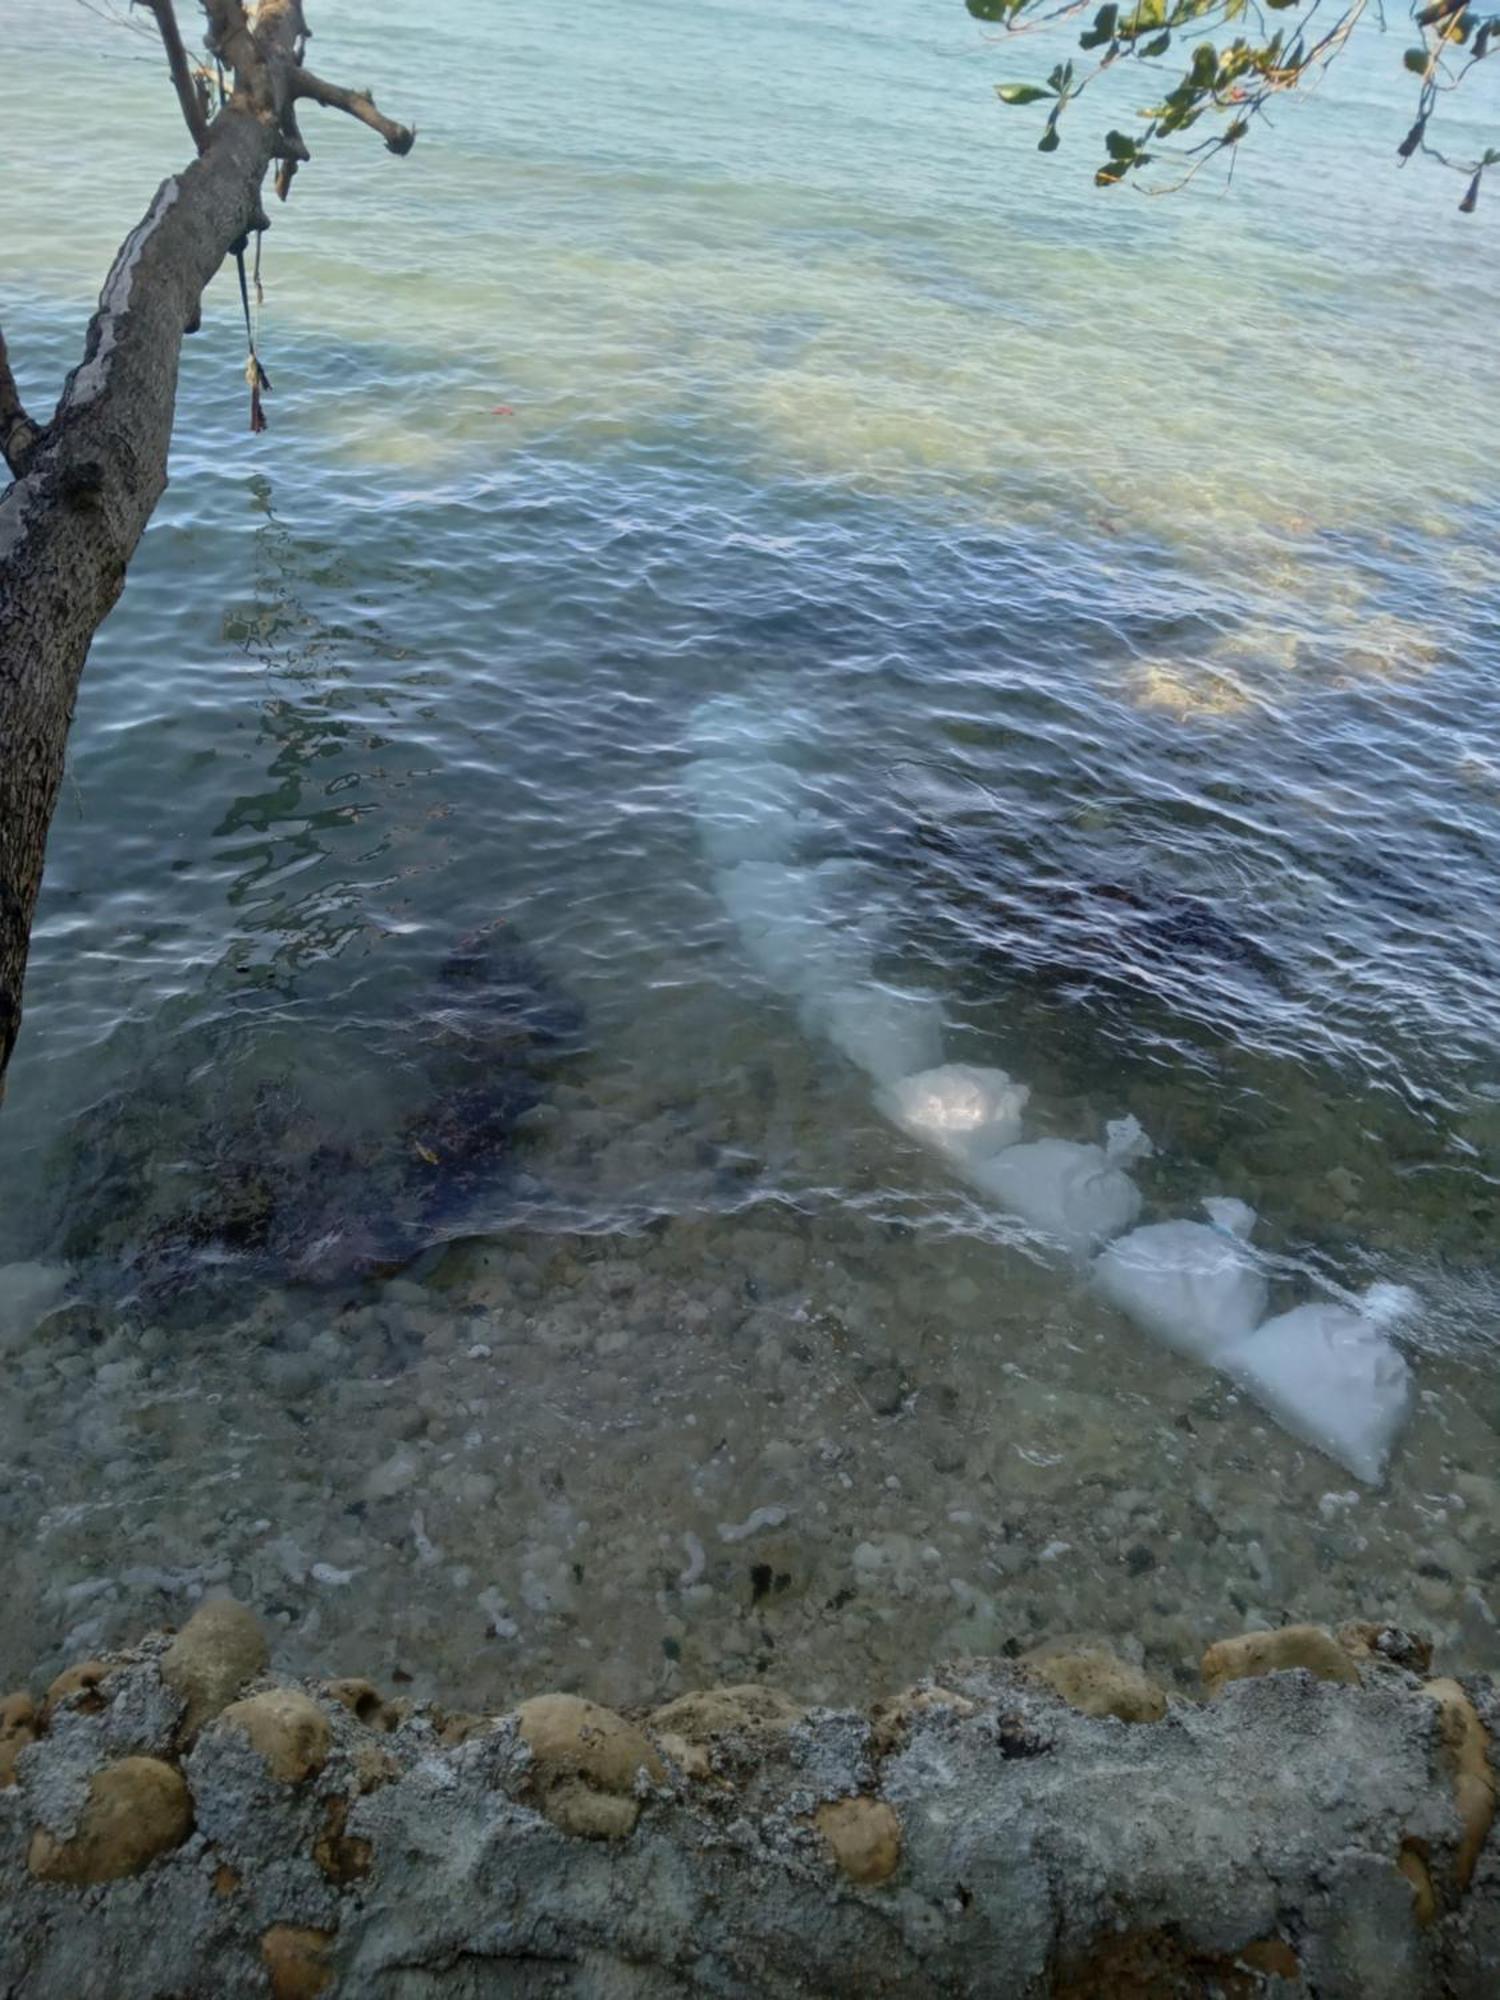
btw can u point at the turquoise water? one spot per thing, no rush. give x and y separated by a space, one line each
419 1141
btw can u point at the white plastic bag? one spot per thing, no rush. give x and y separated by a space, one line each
747 812
1195 1285
1081 1195
886 1030
786 924
966 1113
1332 1377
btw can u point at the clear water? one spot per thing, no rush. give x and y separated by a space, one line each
461 1233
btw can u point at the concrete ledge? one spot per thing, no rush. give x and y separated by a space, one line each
174 1822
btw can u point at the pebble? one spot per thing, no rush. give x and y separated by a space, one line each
763 1517
393 1475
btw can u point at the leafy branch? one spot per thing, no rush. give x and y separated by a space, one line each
1221 86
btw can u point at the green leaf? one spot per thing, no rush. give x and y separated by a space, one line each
1159 44
1416 61
1120 146
1049 141
1021 93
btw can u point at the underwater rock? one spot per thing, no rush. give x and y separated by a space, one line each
1195 1285
213 1165
1113 938
28 1292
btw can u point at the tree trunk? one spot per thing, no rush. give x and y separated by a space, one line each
88 481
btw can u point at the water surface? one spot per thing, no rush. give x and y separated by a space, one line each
465 1240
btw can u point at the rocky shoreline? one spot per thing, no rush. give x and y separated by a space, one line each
176 1820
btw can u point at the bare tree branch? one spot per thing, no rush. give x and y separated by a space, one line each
165 15
86 482
230 38
358 103
18 434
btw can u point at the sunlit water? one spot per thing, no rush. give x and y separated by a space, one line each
473 1261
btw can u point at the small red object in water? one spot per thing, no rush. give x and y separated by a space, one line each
502 410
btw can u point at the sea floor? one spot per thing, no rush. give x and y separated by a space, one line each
797 1443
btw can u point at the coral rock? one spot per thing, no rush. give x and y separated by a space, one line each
892 1718
1386 1645
342 1857
1412 1861
290 1732
699 1718
1250 1654
79 1685
297 1961
864 1838
585 1764
137 1809
692 1759
19 1725
216 1652
1097 1682
1467 1748
364 1702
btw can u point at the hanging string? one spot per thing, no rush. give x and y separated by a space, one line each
255 375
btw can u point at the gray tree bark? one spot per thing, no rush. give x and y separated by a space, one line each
86 483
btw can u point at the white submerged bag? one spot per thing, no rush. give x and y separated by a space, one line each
1195 1285
1080 1195
1333 1377
887 1031
966 1113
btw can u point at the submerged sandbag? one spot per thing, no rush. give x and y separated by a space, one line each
1195 1285
1333 1377
747 812
965 1112
786 919
1078 1194
887 1031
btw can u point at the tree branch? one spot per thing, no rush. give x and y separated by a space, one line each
358 103
165 15
18 434
85 483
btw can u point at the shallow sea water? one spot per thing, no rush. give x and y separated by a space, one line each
471 1259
